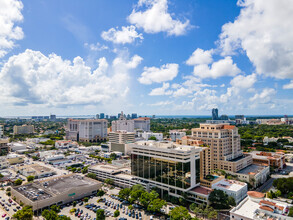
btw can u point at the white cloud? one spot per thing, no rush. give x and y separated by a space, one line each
223 67
264 97
33 78
200 56
153 74
162 103
96 47
126 35
161 90
156 18
243 82
264 31
182 92
289 85
10 13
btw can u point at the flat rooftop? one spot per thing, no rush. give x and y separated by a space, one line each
202 190
64 183
36 168
110 168
165 145
231 185
247 208
252 169
32 192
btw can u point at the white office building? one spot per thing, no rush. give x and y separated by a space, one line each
146 135
233 188
1 131
142 123
122 124
175 134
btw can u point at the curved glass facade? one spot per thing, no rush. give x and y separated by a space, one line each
165 171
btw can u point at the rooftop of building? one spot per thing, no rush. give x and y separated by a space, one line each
142 119
266 155
202 190
252 169
231 185
108 168
166 145
58 185
38 169
32 192
255 194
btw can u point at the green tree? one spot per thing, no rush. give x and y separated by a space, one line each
85 170
74 203
49 214
63 217
101 214
18 182
91 175
290 214
100 193
86 199
116 213
146 198
221 200
180 213
156 205
153 138
113 156
30 178
55 208
109 181
26 213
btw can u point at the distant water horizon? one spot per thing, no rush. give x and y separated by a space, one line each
156 116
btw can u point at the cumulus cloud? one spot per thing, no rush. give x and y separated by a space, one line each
223 67
33 78
264 31
289 85
243 82
161 90
153 74
10 14
96 47
200 56
264 97
125 35
156 18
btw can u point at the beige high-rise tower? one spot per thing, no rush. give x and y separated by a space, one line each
223 151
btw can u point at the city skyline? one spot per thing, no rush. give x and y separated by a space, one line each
161 57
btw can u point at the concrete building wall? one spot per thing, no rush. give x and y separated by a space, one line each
24 129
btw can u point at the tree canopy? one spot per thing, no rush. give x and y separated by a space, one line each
221 200
26 213
180 213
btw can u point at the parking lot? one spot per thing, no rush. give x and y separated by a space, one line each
7 209
109 205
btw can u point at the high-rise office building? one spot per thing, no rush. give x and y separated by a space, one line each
133 115
102 115
52 117
88 130
215 115
172 168
224 117
241 117
119 139
97 116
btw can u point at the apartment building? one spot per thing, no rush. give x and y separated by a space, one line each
176 134
142 123
190 141
88 130
122 124
223 149
4 148
1 131
24 129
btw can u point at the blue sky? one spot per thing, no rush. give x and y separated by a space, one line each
146 56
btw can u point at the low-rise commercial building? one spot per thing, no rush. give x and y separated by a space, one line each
4 148
253 174
35 170
256 206
118 140
274 160
120 175
146 135
15 158
3 162
57 190
65 144
17 146
235 189
24 129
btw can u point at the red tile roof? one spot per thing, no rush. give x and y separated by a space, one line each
142 119
229 127
255 194
267 202
266 208
202 190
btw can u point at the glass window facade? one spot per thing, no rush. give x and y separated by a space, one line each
164 171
